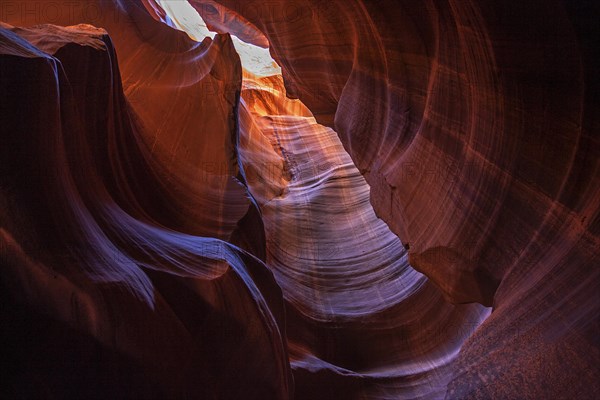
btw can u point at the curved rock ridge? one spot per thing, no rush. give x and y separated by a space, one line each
79 248
315 209
318 227
163 74
177 224
314 223
473 125
453 87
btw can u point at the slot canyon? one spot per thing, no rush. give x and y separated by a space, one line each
300 199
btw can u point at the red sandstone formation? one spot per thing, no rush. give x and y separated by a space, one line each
180 221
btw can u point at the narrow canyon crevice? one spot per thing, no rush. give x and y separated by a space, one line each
401 203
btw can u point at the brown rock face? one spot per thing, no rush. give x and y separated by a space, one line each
175 225
474 125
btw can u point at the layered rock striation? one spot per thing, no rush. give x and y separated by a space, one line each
175 223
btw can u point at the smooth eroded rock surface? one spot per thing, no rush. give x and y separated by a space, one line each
174 224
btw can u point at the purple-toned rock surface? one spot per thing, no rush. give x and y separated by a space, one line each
175 224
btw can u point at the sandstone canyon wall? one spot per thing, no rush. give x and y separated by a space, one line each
407 208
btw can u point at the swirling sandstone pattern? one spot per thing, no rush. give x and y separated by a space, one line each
473 123
176 224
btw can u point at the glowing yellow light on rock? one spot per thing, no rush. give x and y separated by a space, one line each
184 17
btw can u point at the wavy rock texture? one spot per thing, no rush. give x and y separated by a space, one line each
474 126
362 324
140 300
175 226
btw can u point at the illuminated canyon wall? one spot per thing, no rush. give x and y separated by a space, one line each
402 203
